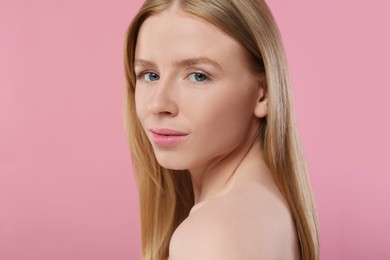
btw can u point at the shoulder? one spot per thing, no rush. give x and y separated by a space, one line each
251 222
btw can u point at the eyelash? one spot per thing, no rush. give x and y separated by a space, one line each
141 75
208 78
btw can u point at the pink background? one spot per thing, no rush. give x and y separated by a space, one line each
66 186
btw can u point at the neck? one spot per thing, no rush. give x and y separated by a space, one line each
217 177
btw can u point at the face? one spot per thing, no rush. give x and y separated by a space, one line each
195 91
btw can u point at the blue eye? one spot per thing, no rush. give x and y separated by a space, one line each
198 77
151 76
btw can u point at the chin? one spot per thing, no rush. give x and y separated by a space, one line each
172 166
172 163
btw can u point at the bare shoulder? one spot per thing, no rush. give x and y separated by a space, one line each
249 222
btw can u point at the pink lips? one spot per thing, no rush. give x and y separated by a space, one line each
167 137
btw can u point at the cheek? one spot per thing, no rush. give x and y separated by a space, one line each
139 105
225 117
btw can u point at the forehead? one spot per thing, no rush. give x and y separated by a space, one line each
173 34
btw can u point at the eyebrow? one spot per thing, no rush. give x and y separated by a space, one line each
181 63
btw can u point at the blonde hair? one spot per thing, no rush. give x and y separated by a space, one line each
166 196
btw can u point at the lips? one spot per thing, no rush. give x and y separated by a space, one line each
167 137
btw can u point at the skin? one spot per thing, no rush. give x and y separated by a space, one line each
193 78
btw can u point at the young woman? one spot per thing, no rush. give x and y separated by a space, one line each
211 129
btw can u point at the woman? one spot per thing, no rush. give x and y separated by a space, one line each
210 124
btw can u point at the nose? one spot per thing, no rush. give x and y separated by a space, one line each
163 101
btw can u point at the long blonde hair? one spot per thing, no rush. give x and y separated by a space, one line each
166 196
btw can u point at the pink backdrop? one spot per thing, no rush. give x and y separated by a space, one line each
66 186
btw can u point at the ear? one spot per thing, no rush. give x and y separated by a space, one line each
261 107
